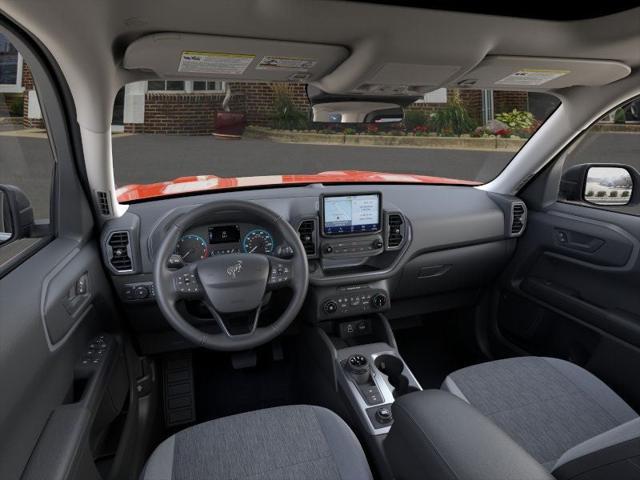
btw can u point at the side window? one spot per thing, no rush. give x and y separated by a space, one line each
26 159
603 169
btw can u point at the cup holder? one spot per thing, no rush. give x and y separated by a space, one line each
393 367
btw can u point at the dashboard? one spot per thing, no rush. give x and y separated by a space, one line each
398 249
222 239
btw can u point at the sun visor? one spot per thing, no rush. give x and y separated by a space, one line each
188 56
535 73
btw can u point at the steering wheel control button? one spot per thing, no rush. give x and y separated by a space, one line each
279 275
186 283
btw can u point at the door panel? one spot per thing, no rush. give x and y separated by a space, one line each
571 292
64 393
41 368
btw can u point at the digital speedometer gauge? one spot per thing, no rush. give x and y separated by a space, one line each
258 241
191 248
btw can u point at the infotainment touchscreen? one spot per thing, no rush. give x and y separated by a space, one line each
351 214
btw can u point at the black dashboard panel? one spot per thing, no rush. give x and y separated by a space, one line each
433 240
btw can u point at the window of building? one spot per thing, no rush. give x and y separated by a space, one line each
166 86
185 86
208 86
10 67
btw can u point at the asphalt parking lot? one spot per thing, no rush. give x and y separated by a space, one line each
26 161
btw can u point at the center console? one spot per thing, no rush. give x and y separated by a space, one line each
372 376
361 358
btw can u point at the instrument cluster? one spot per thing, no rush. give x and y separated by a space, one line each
211 240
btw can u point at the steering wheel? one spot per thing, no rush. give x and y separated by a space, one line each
232 284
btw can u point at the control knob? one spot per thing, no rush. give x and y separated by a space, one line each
330 307
379 300
384 415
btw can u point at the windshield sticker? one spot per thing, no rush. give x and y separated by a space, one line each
215 62
532 77
286 63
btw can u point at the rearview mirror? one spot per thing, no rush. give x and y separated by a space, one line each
357 112
16 214
356 107
608 186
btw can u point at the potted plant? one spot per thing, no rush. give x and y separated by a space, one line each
229 124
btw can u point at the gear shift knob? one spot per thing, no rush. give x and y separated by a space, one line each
358 366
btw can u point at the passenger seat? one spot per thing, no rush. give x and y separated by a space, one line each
565 417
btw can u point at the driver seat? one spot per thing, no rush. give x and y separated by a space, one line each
298 442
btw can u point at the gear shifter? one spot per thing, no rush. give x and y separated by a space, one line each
358 366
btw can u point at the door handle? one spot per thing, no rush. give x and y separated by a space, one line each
78 296
577 241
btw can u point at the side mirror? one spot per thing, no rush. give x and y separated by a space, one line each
608 186
604 185
16 214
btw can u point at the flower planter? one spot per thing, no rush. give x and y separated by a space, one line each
229 125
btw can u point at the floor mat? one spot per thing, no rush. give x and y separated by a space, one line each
220 390
436 348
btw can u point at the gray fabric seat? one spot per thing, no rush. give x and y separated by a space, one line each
548 406
295 442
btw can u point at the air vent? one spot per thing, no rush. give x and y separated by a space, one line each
518 218
103 203
395 223
307 231
119 255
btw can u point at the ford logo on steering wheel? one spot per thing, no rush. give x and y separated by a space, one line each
234 269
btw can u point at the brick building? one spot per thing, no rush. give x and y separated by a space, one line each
190 107
175 107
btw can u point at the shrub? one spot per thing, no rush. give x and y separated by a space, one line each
415 118
517 120
16 106
619 116
613 193
589 193
349 131
286 115
601 193
453 119
504 133
625 193
373 129
421 130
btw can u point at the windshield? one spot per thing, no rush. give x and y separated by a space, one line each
176 137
